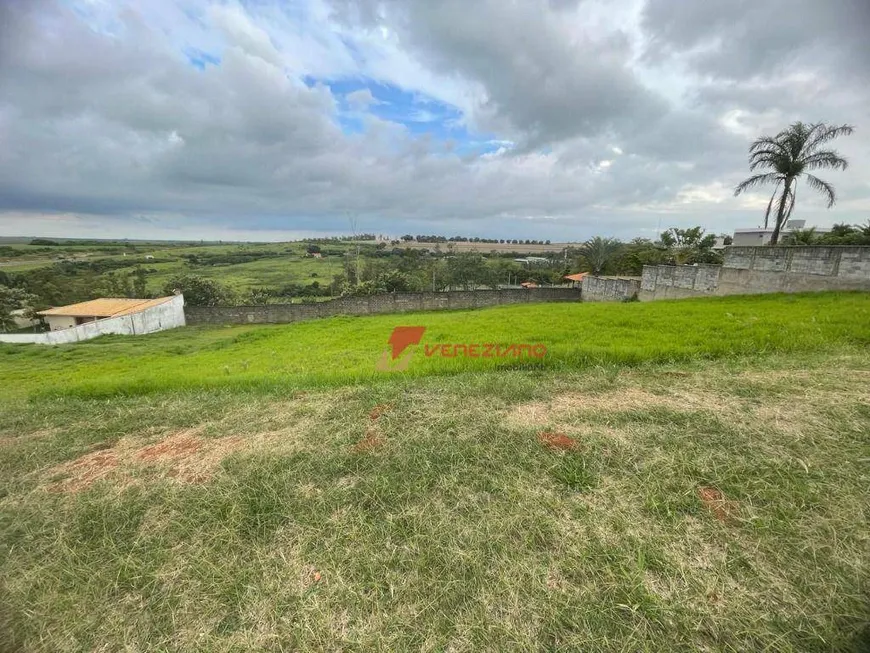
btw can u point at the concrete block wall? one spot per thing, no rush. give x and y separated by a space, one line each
599 289
376 304
678 281
168 315
854 263
751 270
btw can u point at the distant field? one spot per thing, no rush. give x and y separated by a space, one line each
674 476
493 247
289 266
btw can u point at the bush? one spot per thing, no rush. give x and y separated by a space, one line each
199 291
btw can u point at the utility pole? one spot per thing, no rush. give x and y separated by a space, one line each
356 238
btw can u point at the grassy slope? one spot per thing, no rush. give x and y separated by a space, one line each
267 528
342 350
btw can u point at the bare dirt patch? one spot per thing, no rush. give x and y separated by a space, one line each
379 410
179 445
184 456
84 471
715 501
372 440
558 441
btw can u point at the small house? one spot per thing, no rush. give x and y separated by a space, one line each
575 279
65 317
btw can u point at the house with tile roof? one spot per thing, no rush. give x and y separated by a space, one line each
66 317
105 316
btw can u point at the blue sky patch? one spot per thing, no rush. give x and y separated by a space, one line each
420 114
200 59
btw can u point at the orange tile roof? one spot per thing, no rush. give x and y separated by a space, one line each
105 307
576 277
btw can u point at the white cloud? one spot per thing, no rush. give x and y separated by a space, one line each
601 114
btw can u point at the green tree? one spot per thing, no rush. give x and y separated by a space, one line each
597 252
688 246
198 291
117 285
640 252
467 270
256 297
803 237
140 283
12 299
845 234
790 155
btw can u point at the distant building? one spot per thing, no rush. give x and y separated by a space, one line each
575 279
532 260
105 316
65 317
759 237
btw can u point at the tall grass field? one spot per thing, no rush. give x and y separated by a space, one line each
673 476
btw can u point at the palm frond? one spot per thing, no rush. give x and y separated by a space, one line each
825 159
757 180
823 187
768 142
767 158
823 133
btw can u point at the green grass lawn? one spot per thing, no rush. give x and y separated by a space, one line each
344 349
672 476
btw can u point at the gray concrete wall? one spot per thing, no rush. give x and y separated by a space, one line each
168 315
752 270
600 289
376 304
678 281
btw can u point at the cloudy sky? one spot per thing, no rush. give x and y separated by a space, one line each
545 119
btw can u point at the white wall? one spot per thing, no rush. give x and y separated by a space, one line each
58 322
168 315
752 238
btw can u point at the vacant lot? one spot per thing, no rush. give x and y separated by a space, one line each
677 477
344 350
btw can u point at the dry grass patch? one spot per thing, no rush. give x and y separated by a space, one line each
184 456
564 407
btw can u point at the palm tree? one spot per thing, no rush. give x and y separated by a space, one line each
791 154
806 237
597 252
